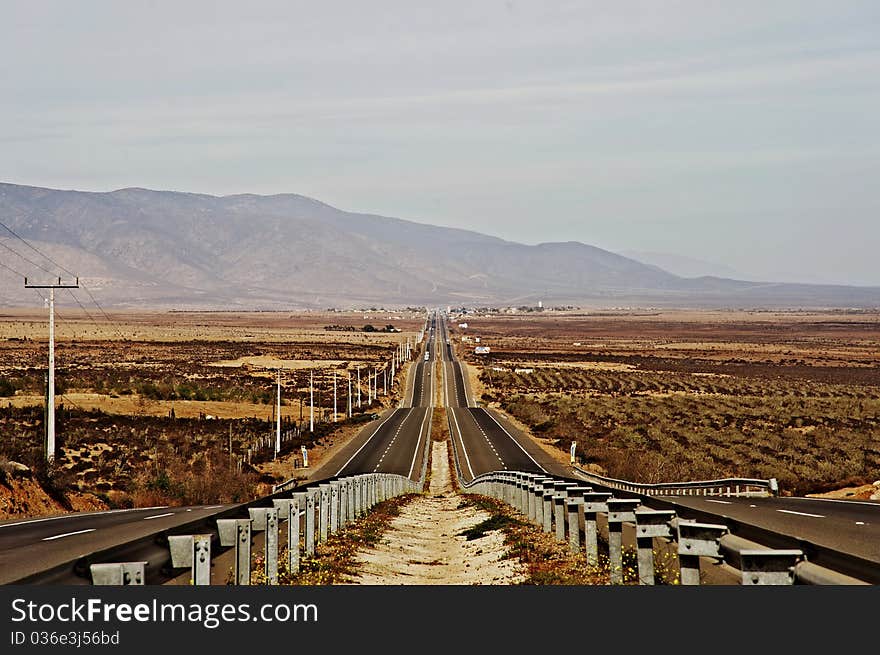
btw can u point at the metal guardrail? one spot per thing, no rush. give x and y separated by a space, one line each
721 487
310 515
570 510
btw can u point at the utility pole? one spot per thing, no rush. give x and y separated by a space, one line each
311 401
349 394
334 396
384 381
359 387
278 418
50 394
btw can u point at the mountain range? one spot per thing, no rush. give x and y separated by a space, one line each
142 248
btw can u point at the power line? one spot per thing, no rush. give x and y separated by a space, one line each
19 274
92 318
66 270
101 309
13 233
29 261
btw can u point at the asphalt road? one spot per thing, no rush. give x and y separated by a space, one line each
847 526
483 440
31 545
396 442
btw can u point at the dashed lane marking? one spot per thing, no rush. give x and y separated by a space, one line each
68 534
791 511
158 516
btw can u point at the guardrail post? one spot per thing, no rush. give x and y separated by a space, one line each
121 573
547 507
323 511
650 523
237 532
296 510
193 551
697 540
531 491
594 503
538 498
310 522
574 505
343 503
352 499
620 511
272 545
559 500
769 567
334 507
356 496
266 519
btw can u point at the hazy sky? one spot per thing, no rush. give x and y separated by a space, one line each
740 132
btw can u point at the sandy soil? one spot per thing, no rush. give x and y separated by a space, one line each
422 546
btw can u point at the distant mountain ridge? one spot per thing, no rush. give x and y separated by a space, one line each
137 247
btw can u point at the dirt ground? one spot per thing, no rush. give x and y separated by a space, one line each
423 546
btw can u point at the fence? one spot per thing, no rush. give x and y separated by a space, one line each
571 511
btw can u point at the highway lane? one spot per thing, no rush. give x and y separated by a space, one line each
393 446
395 443
485 442
847 526
31 545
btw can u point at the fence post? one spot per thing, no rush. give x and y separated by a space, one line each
620 511
650 524
594 504
697 540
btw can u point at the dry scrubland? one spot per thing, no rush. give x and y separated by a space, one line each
682 395
149 403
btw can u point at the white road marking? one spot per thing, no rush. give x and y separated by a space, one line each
416 452
357 452
860 523
840 500
158 516
791 511
68 534
461 440
78 514
752 505
720 502
213 506
489 414
393 439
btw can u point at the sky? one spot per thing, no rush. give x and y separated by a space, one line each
745 133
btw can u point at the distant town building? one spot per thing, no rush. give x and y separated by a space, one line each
481 350
463 325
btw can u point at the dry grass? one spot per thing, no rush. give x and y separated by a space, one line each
686 396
